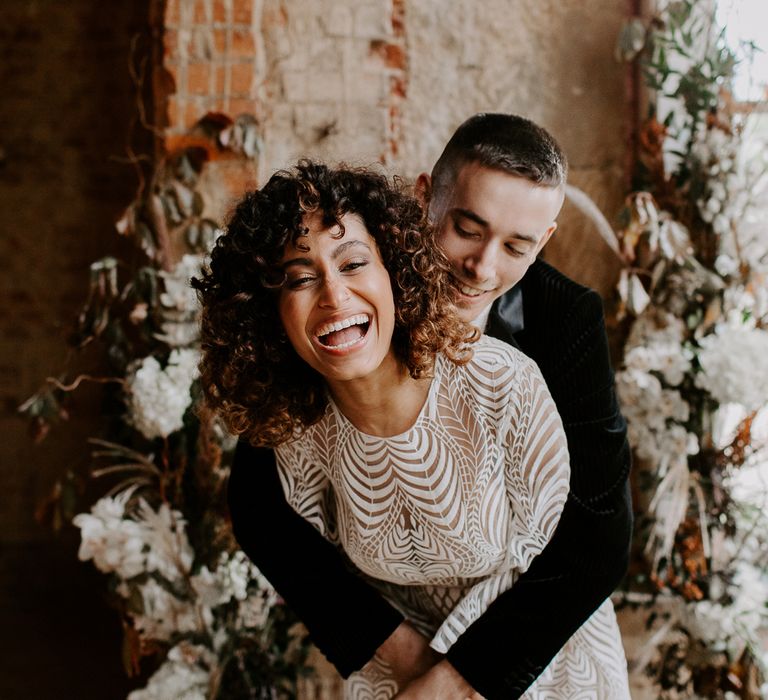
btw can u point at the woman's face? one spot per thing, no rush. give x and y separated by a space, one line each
336 303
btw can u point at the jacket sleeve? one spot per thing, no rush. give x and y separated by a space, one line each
506 649
346 618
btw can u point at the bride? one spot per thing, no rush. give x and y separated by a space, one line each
436 461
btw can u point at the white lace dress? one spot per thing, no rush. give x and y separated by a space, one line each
447 515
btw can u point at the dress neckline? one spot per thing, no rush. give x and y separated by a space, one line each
433 387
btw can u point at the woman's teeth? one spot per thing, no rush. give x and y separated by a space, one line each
341 325
343 334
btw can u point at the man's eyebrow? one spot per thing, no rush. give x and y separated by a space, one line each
480 221
469 214
338 252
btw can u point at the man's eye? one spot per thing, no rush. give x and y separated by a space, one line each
463 232
515 252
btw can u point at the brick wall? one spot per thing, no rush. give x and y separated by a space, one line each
387 81
325 78
367 81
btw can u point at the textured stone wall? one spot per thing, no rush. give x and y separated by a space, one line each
389 80
368 81
549 60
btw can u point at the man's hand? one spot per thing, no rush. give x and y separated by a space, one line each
441 682
408 654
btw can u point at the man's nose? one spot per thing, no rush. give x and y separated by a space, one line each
482 263
333 292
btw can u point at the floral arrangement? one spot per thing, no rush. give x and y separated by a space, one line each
693 304
186 594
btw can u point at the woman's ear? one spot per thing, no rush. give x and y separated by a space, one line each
423 189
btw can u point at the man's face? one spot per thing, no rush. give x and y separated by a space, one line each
491 225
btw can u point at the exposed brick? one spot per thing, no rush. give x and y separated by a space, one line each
202 42
220 41
242 11
201 12
239 106
221 80
192 112
393 55
198 78
398 17
172 12
243 45
219 11
242 79
398 86
170 43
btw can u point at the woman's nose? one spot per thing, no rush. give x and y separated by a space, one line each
333 292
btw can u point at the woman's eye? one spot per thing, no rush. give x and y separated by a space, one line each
353 265
298 282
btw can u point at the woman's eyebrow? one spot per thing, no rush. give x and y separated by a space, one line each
297 261
337 253
346 246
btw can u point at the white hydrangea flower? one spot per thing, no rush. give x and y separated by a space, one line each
158 398
185 675
113 542
734 366
164 614
169 552
128 545
231 579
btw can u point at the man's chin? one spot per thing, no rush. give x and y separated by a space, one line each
470 308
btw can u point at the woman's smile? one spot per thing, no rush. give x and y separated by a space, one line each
341 335
336 304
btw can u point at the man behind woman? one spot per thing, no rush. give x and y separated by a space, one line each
496 191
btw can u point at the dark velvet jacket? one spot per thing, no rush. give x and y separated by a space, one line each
560 325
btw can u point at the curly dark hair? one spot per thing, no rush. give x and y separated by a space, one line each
250 372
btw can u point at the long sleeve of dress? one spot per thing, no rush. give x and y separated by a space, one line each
510 644
304 568
536 476
508 647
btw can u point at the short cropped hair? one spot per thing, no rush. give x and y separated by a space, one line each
505 142
250 372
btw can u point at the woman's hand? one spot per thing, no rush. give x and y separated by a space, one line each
441 682
408 654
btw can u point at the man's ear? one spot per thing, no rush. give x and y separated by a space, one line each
547 235
422 189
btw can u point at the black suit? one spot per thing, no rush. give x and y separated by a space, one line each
560 325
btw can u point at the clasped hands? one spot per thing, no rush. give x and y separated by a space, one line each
421 673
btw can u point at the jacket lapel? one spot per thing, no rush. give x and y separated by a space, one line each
506 317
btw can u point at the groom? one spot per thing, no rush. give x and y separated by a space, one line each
494 195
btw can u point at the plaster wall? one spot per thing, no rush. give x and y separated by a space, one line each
387 81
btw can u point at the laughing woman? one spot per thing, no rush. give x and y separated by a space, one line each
437 464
